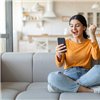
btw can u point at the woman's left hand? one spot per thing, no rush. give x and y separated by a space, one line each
92 29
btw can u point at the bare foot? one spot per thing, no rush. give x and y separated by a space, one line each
84 89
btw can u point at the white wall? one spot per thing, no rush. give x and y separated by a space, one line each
52 26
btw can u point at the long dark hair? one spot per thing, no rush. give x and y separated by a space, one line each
83 21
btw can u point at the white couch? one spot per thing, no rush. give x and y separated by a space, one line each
24 77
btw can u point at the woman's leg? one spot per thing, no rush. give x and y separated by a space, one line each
62 82
91 78
59 81
76 73
84 89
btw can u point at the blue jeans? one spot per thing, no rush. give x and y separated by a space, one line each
66 82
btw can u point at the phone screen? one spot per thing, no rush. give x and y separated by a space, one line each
62 41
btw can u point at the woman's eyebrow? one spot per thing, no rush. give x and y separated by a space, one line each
78 23
75 24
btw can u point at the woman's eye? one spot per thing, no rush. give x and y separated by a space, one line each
77 25
71 26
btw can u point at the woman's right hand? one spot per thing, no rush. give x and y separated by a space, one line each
59 50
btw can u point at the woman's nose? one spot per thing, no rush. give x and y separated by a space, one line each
74 28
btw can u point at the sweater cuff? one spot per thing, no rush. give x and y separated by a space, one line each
94 44
58 60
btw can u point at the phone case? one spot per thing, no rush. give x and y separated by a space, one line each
62 41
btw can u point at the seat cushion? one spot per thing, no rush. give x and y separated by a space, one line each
37 94
37 85
37 91
19 86
79 96
9 94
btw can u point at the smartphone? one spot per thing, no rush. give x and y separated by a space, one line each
62 41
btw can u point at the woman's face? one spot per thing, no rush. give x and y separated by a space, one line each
76 28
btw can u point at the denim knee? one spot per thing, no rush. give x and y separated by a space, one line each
92 77
96 68
54 76
62 82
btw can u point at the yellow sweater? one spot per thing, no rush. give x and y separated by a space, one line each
79 54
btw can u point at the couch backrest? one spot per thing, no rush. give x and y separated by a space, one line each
16 67
99 62
29 67
94 62
43 64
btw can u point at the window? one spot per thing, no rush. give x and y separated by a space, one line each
2 26
81 13
6 28
90 18
98 20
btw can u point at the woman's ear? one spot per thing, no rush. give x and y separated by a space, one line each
84 28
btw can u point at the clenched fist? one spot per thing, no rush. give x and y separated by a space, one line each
92 29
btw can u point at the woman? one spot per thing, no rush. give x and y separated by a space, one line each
78 75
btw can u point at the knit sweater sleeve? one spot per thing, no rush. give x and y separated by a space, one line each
61 62
95 50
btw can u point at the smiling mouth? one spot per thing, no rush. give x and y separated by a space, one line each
75 33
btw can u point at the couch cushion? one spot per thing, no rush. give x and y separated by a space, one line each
43 64
16 67
37 94
20 86
79 96
37 85
9 94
